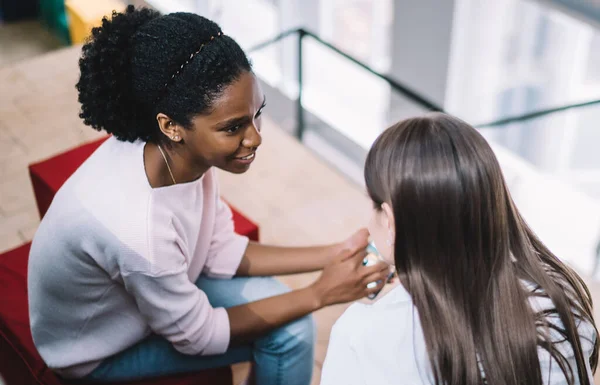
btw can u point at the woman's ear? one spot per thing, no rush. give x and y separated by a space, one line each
168 127
390 223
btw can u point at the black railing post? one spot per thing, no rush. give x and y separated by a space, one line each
299 107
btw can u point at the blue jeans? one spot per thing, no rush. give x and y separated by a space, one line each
283 356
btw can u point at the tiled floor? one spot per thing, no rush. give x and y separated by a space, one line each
296 198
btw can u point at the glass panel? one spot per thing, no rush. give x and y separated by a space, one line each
542 58
592 73
504 45
360 28
586 146
562 145
560 210
259 23
343 94
517 56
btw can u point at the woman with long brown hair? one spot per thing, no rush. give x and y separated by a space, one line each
481 299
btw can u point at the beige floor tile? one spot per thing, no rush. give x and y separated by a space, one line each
60 85
26 233
9 146
9 241
52 146
16 194
47 114
14 85
11 226
53 65
13 166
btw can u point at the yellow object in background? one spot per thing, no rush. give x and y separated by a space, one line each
86 14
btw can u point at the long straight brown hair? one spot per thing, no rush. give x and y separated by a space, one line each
470 262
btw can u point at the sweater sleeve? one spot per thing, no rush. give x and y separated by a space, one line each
226 248
180 312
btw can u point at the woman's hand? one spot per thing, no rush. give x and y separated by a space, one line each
345 279
356 241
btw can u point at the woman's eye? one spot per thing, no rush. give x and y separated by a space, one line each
233 129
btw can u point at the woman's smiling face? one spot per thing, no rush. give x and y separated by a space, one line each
227 137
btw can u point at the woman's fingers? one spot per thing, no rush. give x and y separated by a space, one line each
376 276
380 267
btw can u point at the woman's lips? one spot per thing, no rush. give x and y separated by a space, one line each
247 159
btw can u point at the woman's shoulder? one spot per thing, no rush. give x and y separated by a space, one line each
383 334
114 165
390 314
108 189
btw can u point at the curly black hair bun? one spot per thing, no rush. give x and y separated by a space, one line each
139 63
104 92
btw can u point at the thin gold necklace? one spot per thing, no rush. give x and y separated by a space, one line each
167 163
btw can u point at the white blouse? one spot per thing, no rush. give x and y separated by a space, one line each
382 343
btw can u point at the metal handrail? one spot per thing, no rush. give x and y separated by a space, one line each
397 86
302 33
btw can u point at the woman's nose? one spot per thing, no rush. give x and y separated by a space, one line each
252 138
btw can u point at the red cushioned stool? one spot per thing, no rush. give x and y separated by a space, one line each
47 177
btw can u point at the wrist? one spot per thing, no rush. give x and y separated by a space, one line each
333 251
316 296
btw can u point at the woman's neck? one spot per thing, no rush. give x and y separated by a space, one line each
182 168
